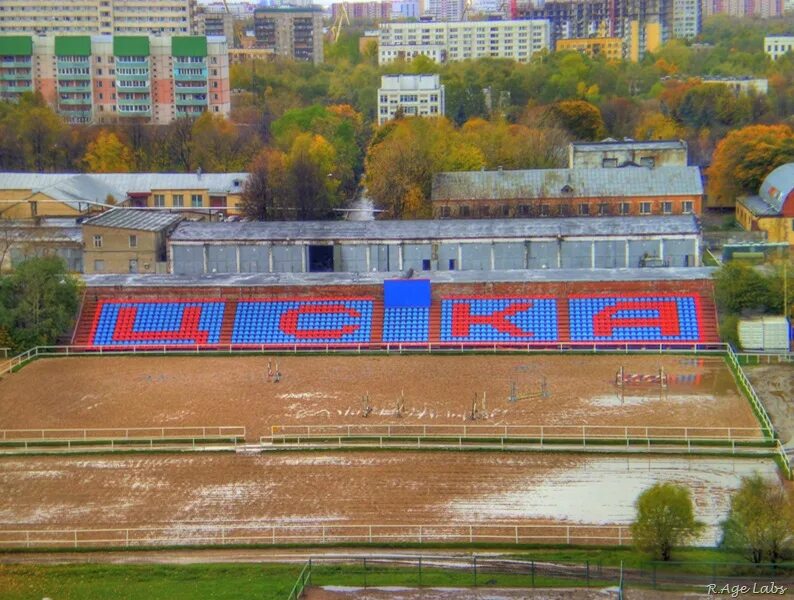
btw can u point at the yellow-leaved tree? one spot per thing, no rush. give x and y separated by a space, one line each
107 154
744 157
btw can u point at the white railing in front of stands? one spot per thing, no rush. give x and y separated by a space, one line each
242 533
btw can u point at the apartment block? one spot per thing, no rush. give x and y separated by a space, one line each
413 95
687 19
104 79
778 45
446 10
217 24
442 42
643 25
362 11
609 48
291 32
103 17
744 8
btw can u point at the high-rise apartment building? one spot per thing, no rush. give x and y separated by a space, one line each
687 18
104 17
446 10
213 24
443 42
744 8
290 31
102 79
412 95
363 11
643 25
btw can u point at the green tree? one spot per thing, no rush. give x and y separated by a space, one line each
665 519
760 523
741 288
39 302
582 119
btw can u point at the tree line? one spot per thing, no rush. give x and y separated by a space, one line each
308 131
759 525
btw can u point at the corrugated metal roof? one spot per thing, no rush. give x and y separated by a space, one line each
472 229
607 145
568 183
292 279
47 234
758 206
130 218
72 188
777 186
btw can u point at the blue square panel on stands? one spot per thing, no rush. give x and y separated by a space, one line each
398 293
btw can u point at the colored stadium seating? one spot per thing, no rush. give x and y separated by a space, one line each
142 323
303 322
487 320
406 324
687 317
634 319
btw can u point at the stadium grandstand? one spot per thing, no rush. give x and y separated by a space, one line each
670 307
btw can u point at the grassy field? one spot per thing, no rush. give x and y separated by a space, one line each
227 581
274 581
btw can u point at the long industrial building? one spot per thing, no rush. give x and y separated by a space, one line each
103 17
400 246
103 79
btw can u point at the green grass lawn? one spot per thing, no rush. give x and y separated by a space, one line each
274 581
230 581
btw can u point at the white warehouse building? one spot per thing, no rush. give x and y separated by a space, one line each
414 95
461 40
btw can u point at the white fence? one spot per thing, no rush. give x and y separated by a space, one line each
122 433
582 433
16 440
743 382
189 534
644 348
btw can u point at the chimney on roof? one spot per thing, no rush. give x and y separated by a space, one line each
198 172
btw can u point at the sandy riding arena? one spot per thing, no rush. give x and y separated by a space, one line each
102 392
180 492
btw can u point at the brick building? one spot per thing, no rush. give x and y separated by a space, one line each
578 192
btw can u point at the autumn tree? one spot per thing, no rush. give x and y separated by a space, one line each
108 154
311 182
581 118
760 523
41 134
665 519
516 146
656 126
744 158
264 194
216 145
403 158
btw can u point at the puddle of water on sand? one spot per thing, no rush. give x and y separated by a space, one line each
601 491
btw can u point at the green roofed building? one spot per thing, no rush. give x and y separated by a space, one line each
16 66
105 79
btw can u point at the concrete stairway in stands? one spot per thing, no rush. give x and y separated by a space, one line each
85 320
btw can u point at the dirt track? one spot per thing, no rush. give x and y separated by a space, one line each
774 385
349 488
191 391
